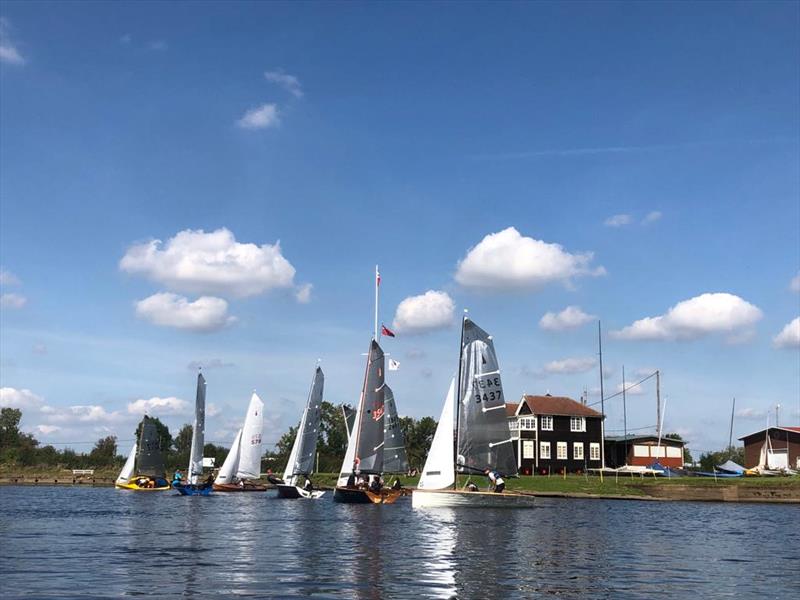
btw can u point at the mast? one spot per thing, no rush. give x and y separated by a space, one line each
658 401
377 288
458 401
730 435
602 402
625 413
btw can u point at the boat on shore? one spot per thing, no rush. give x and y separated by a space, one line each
242 466
194 484
143 470
475 409
304 449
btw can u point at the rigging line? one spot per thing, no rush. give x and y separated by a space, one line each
625 389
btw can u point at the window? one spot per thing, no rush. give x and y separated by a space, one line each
673 452
544 450
657 451
594 451
640 450
527 449
527 423
577 450
547 423
577 424
561 450
512 424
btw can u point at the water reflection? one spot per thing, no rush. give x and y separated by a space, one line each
438 552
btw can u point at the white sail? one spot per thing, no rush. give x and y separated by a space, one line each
231 464
198 432
288 474
438 472
127 468
250 444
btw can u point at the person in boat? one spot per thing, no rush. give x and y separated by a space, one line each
396 485
471 487
375 485
177 477
351 481
496 482
308 486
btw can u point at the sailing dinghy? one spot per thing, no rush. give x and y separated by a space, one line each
144 469
475 409
194 485
243 463
304 449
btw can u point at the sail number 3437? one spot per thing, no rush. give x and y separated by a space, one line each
488 389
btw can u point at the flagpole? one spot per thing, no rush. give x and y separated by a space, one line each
377 286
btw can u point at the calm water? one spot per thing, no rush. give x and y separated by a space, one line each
64 542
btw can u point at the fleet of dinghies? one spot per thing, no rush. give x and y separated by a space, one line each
472 438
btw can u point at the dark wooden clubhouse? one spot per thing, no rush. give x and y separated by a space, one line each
553 433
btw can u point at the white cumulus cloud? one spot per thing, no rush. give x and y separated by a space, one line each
156 406
23 399
12 301
7 277
569 366
506 260
697 317
789 337
652 217
426 312
571 317
303 293
794 284
207 313
751 413
260 117
618 220
8 49
288 82
47 429
210 263
631 389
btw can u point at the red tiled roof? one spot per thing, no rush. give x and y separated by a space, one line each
511 408
797 429
558 405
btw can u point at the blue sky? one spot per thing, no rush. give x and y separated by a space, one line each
513 159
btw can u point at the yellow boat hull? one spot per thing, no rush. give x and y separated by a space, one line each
131 485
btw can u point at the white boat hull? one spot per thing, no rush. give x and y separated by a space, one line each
293 492
465 499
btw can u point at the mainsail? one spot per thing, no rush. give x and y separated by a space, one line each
484 438
301 459
198 432
365 446
149 461
438 472
127 468
394 450
244 458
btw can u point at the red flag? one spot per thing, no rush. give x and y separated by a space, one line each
377 277
386 331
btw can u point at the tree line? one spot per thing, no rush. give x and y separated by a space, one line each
23 449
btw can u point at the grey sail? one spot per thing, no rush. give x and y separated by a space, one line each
308 433
394 449
198 432
149 460
349 419
369 429
484 439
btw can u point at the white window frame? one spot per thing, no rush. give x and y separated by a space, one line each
594 451
577 450
513 425
527 423
528 449
561 451
547 423
544 450
577 423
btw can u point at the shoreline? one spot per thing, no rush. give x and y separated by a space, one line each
673 491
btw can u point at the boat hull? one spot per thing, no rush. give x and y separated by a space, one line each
187 489
350 495
293 492
235 487
159 485
465 499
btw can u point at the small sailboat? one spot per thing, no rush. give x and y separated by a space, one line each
195 485
475 409
395 459
144 469
304 449
360 476
243 463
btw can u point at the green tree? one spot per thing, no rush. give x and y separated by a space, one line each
709 460
9 427
418 436
334 430
104 452
183 441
